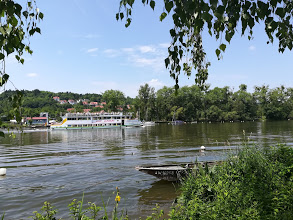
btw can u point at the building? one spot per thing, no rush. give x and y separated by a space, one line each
63 102
56 98
38 121
93 103
71 101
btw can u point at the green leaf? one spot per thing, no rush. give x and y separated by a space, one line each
218 52
5 77
2 31
228 36
2 135
207 17
172 32
32 31
128 21
14 21
163 16
41 15
117 16
38 30
214 3
274 3
25 14
2 56
223 47
121 16
153 4
280 12
167 62
169 5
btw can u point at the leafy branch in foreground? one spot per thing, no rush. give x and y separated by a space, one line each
17 25
221 19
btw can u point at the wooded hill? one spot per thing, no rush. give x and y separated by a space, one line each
190 104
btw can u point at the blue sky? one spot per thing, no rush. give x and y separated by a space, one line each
83 49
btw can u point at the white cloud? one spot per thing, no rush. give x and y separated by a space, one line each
112 52
164 45
151 56
92 50
144 61
127 50
91 36
252 48
156 84
32 75
147 49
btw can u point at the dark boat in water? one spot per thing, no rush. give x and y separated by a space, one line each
172 172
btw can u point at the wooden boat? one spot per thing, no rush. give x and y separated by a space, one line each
172 172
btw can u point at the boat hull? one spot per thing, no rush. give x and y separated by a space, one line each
173 172
166 172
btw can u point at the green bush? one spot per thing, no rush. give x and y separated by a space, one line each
255 184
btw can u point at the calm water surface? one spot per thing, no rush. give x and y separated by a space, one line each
58 166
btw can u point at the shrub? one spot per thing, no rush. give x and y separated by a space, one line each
255 184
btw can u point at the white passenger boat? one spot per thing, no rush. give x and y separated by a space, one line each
96 120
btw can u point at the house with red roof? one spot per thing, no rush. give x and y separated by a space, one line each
93 103
56 98
71 101
63 102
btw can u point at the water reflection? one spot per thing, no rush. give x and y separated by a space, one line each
58 166
160 192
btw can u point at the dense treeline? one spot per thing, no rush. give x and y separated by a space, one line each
189 104
217 104
37 101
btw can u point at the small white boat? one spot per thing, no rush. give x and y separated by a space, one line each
2 171
149 123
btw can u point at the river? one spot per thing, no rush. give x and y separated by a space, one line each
59 166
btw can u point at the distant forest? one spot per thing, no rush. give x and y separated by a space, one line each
190 103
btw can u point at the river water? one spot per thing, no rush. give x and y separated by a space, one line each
59 166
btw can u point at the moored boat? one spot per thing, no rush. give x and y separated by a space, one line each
172 172
149 123
166 172
96 120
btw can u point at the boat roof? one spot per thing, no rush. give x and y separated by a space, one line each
97 114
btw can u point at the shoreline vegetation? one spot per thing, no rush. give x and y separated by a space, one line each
189 104
254 183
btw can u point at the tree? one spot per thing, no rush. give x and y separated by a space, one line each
113 98
221 20
146 102
18 23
